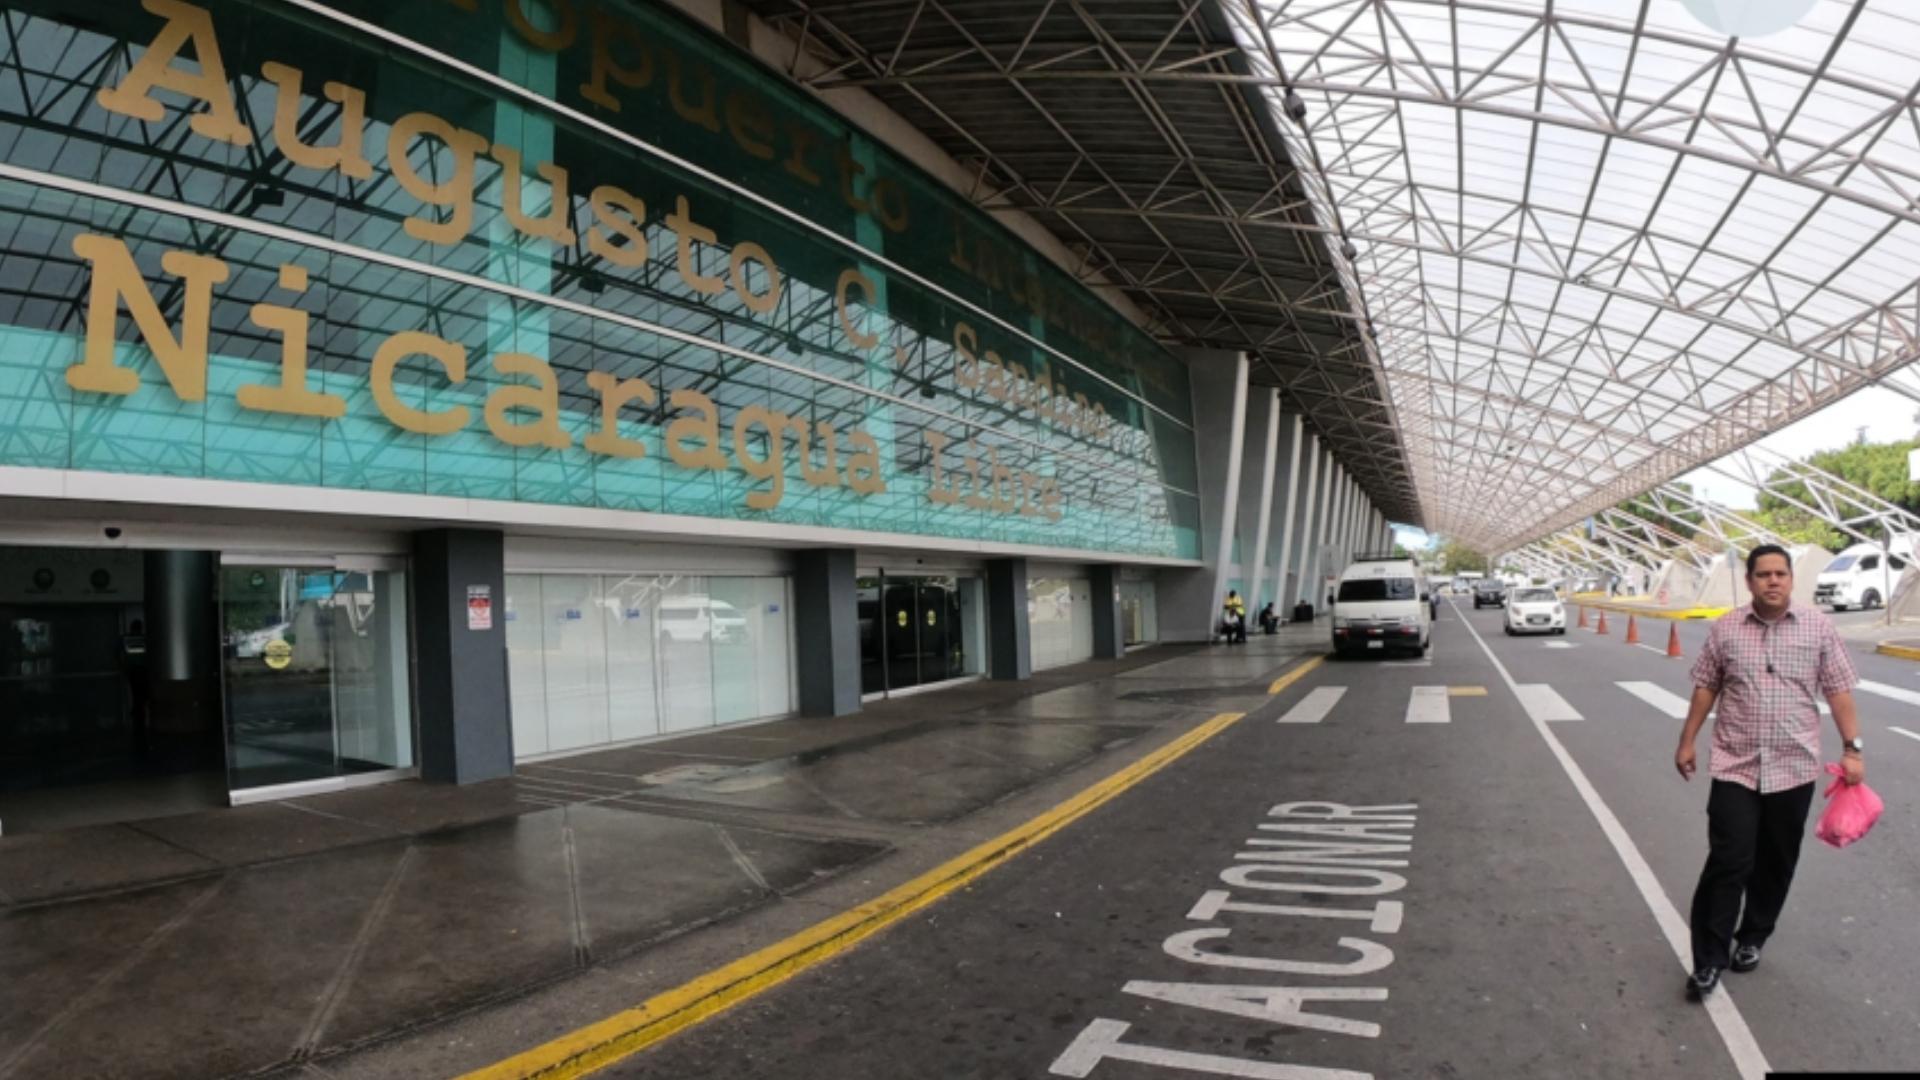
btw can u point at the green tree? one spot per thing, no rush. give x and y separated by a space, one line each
1800 527
1456 557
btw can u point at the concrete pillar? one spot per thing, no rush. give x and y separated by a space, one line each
1282 595
1188 599
466 731
826 626
1323 533
1258 555
1357 518
1302 591
1230 513
1009 641
1109 637
1342 504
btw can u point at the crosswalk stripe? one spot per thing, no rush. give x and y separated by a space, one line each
1315 706
1429 705
1905 696
1657 696
1543 702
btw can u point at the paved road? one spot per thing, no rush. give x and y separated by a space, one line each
1492 927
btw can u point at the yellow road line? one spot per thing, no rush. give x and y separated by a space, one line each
631 1030
1466 691
1294 676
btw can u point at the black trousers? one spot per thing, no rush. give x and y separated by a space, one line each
1753 844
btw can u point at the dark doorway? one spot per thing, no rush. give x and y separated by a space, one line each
917 629
109 686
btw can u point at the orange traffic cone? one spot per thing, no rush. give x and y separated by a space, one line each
1673 641
1602 628
1583 617
1633 630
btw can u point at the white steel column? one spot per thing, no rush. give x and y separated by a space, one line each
1321 531
1258 556
1230 491
1281 600
1342 499
1357 520
1306 519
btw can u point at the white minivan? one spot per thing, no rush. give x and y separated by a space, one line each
1382 604
1862 576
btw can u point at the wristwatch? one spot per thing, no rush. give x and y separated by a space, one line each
1855 744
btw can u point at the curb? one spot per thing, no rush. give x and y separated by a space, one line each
1671 614
1904 652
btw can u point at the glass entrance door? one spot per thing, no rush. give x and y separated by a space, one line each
919 629
316 675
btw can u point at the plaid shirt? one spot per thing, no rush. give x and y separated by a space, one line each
1766 732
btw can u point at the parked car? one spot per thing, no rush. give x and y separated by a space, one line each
1379 605
1489 593
1535 610
1862 576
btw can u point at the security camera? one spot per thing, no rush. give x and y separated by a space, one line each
112 531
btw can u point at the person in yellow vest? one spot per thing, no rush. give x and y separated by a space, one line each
1233 618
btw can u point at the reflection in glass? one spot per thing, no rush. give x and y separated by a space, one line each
916 630
316 673
608 658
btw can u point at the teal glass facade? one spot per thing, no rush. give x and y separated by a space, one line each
608 261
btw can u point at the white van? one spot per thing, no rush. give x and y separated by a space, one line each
1862 576
1382 604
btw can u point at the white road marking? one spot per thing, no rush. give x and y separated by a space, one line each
1544 703
1651 649
1905 696
1747 1056
1428 705
1561 645
1659 697
1904 731
1422 662
1315 706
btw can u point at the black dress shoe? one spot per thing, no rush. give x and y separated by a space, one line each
1746 957
1702 982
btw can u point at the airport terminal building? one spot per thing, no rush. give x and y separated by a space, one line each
410 389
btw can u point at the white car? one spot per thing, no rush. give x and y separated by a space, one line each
1533 610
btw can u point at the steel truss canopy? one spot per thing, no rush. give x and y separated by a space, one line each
1138 134
1517 261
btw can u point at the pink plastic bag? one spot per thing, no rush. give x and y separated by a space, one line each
1850 811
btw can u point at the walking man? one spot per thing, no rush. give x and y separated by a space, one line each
1763 663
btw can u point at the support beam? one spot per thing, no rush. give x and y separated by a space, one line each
1258 556
1288 526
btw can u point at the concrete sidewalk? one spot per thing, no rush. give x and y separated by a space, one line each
238 941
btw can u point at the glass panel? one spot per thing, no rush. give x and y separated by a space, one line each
370 668
771 626
987 394
686 661
897 627
276 624
971 598
526 664
576 653
1080 640
938 643
736 675
1138 619
873 657
634 705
